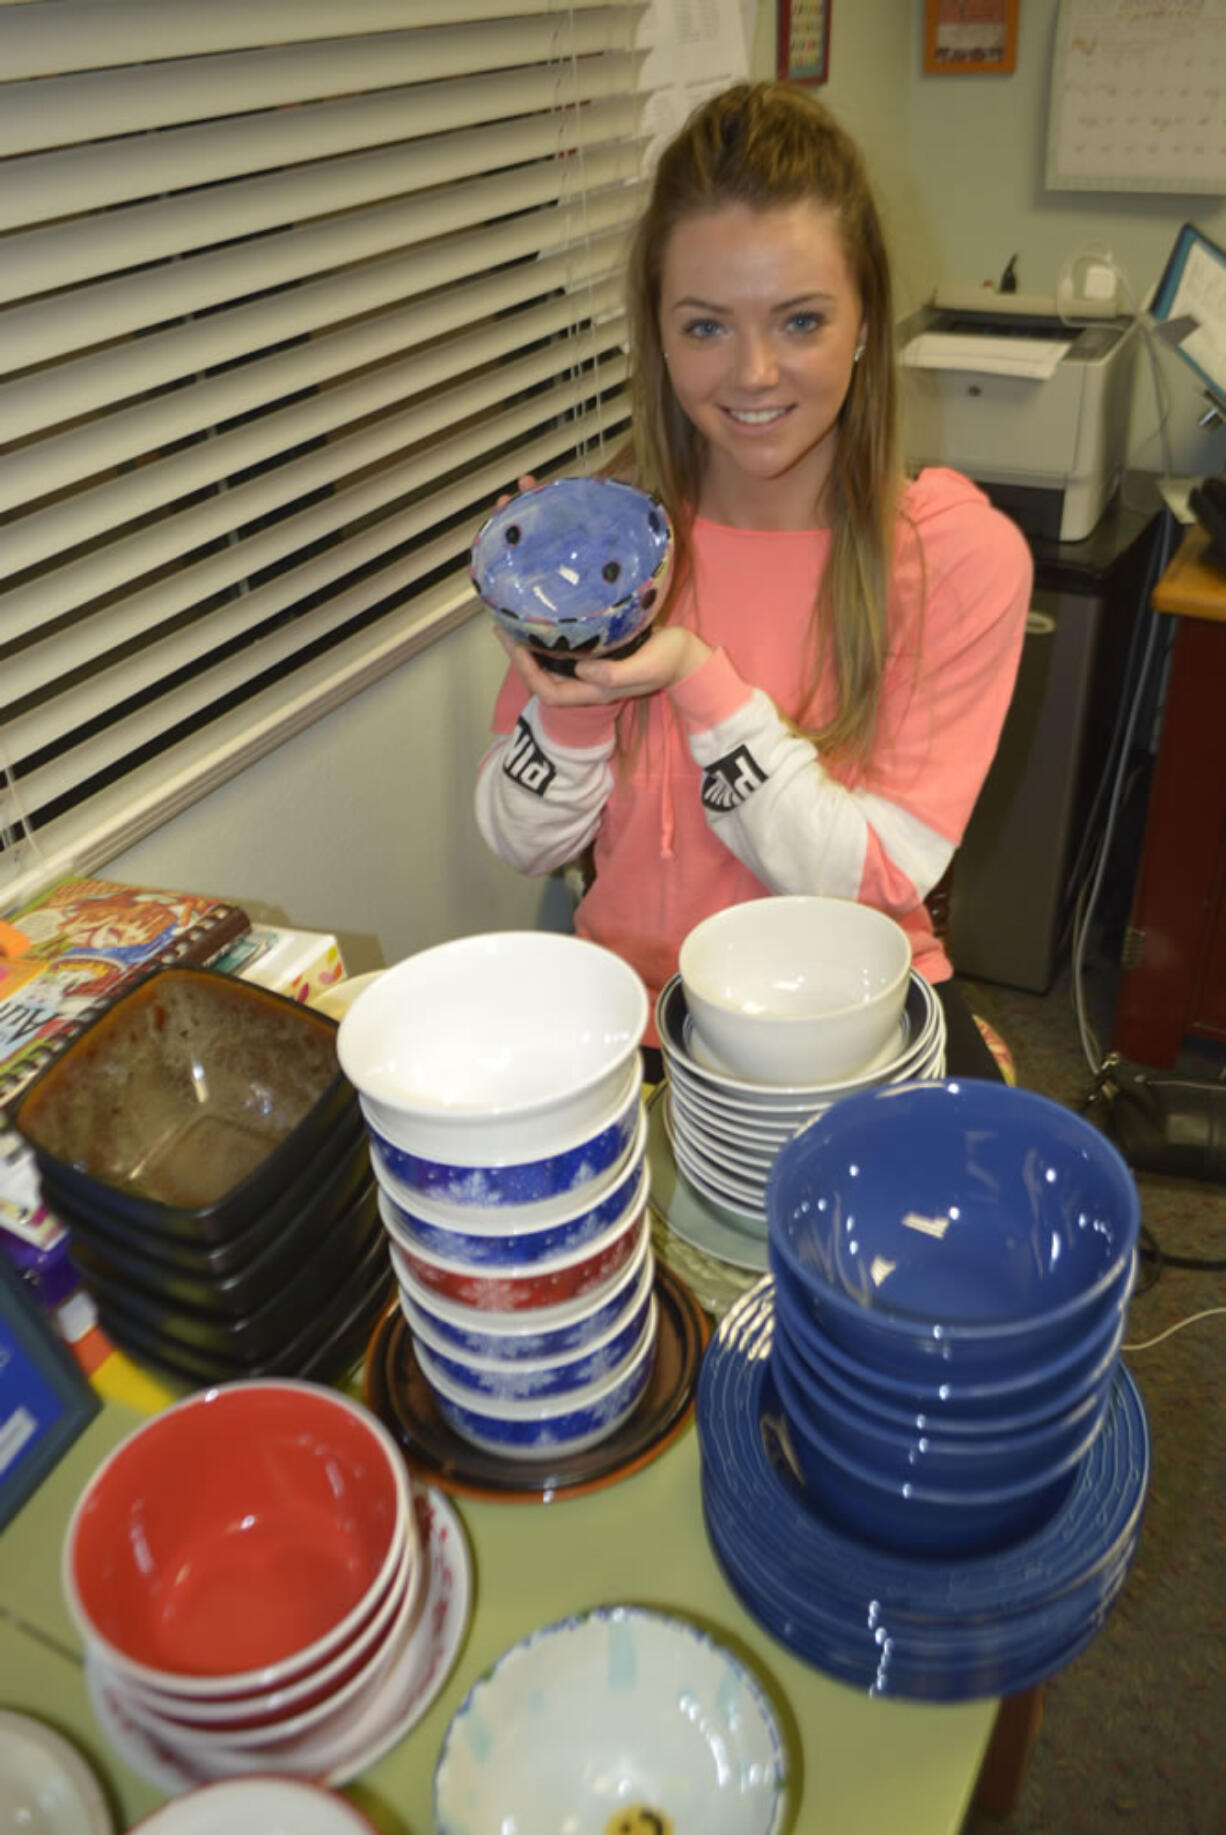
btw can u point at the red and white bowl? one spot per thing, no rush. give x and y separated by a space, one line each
239 1542
524 1287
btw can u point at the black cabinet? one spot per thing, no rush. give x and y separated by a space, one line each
1015 877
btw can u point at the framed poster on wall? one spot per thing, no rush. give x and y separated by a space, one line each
970 37
804 40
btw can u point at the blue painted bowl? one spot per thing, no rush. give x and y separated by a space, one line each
528 1380
576 567
963 1226
902 1515
560 1424
920 1454
952 1407
572 1169
485 1249
548 1332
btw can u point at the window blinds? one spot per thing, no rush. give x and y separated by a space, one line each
289 291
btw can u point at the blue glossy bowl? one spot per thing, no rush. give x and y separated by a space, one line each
1047 1390
903 1515
920 1454
557 1425
575 567
963 1226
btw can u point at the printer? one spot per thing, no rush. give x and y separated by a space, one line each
1032 408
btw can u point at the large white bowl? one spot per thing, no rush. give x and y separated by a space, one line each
256 1806
504 1030
796 989
921 1048
46 1787
617 1711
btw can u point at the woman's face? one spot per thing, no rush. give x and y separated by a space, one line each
760 319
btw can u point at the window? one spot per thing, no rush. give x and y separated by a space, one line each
289 291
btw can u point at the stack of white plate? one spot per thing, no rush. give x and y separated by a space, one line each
725 1130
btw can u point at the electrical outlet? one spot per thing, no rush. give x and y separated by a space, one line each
1098 281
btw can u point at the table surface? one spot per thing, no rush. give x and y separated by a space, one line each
858 1764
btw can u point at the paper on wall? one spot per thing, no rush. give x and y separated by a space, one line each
694 49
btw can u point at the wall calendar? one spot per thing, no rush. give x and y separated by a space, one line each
1138 96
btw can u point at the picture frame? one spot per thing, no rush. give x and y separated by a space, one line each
804 40
45 1398
970 37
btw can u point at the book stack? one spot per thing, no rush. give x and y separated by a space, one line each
66 955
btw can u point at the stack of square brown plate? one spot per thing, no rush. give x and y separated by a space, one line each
207 1154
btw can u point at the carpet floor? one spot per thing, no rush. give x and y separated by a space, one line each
1133 1735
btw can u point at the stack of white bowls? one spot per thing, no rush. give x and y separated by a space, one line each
501 1084
782 1007
247 1575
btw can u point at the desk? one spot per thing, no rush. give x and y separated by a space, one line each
859 1765
1174 982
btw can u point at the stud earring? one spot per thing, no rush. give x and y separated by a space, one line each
857 353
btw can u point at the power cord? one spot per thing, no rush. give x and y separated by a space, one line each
1147 1344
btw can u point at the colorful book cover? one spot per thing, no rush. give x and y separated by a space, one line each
87 940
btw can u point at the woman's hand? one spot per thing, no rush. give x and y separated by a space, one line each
668 656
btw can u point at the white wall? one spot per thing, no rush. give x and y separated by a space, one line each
363 825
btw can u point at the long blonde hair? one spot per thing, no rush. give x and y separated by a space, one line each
763 145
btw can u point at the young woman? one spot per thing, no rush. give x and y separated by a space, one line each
820 700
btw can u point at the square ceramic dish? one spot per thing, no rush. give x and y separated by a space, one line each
304 1295
189 1103
321 1350
211 1278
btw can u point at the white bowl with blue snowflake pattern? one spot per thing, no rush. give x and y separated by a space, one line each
556 1425
621 1721
575 567
571 1168
485 1249
511 1219
523 1379
495 1049
547 1332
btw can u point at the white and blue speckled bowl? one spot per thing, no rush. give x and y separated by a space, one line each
488 1249
532 1379
561 1425
619 1710
570 1168
549 1332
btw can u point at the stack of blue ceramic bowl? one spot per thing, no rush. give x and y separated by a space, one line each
932 1380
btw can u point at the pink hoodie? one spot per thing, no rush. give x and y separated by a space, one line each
722 801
